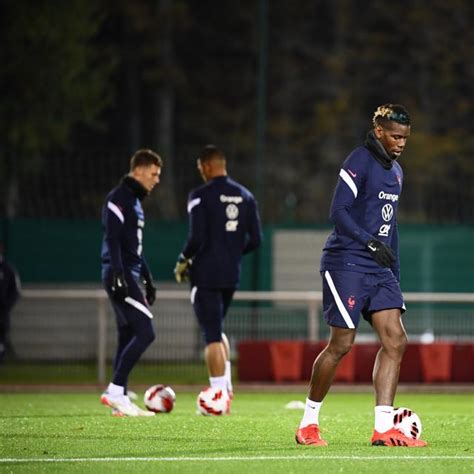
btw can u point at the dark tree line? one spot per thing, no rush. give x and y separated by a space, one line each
84 83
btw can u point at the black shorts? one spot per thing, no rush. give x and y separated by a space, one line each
210 306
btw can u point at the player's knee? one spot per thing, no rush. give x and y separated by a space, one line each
147 337
395 343
338 349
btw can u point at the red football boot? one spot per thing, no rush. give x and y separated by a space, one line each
310 436
395 438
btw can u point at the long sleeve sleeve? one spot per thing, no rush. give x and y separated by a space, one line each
395 247
343 199
113 223
254 236
197 227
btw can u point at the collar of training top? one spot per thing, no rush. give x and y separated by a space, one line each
378 151
137 189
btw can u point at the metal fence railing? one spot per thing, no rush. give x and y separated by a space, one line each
58 326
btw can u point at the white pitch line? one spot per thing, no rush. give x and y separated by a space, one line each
236 458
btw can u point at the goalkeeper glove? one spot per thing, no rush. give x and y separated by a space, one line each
381 253
119 286
181 270
150 291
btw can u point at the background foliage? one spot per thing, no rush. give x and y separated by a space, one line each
85 83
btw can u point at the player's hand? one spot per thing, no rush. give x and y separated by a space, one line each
150 292
181 270
119 287
381 253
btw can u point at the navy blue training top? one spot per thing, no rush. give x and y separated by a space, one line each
123 221
224 224
364 206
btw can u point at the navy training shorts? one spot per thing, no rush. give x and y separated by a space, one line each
347 295
210 306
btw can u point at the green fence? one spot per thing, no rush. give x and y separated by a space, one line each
433 258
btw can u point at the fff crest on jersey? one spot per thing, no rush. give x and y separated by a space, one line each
232 211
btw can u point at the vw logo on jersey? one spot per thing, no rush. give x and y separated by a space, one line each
232 211
387 212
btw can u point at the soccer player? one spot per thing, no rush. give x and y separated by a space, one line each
224 224
361 273
123 269
9 295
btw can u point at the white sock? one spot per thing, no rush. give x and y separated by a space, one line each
115 390
383 418
311 413
219 382
228 375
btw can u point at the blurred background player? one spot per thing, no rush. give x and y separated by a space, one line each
361 273
9 294
123 269
224 224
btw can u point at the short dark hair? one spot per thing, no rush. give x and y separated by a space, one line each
209 152
145 157
391 113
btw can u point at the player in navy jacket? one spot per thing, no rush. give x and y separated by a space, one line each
123 270
361 273
224 224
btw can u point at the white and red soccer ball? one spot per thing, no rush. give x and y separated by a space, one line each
159 398
213 401
407 421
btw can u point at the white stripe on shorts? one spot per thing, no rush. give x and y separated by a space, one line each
340 304
140 306
193 294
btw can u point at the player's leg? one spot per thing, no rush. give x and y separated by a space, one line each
125 335
3 335
208 307
136 333
325 365
387 323
116 393
228 365
389 328
215 356
343 298
143 335
324 369
227 295
225 341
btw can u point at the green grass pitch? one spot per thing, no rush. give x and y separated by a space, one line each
74 433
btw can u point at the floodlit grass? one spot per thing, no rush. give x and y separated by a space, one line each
44 373
40 431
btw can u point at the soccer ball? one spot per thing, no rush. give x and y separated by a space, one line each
407 421
159 398
213 401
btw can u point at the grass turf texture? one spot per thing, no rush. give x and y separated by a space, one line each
44 373
258 436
